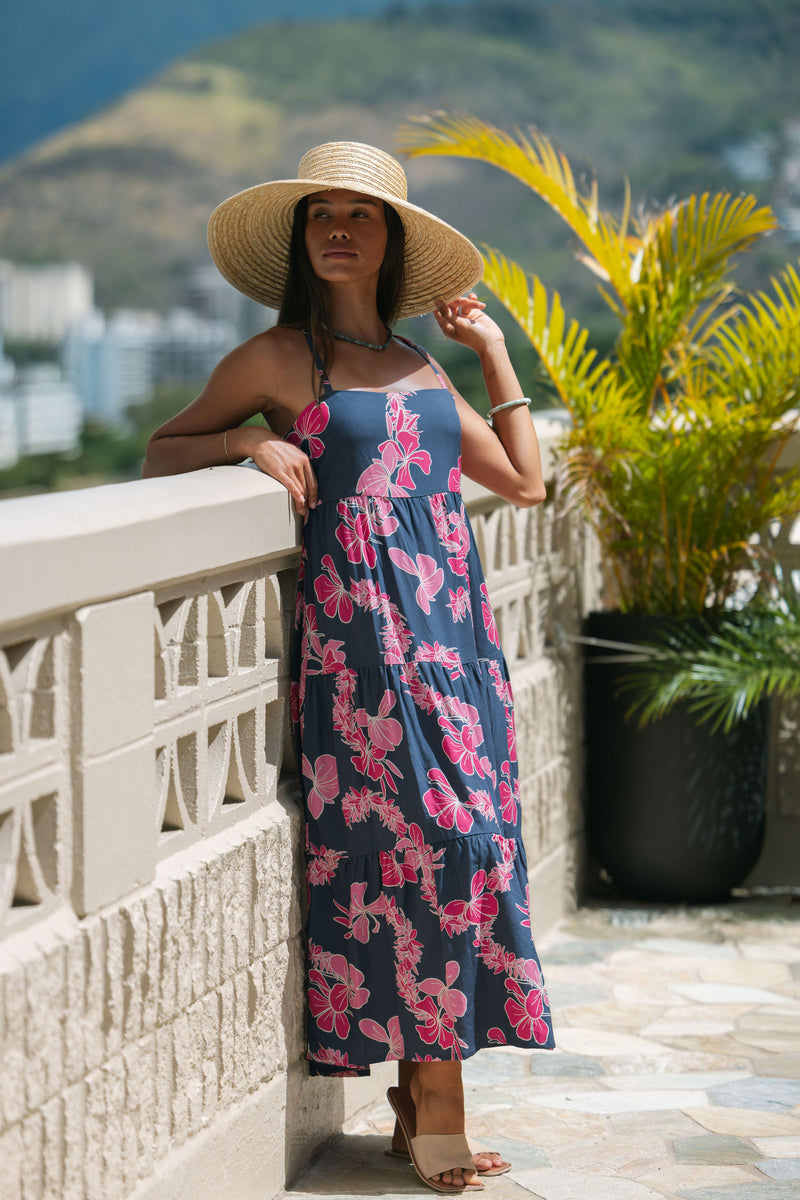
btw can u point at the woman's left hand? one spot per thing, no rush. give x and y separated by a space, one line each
464 321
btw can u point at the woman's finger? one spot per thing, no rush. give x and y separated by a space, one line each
310 481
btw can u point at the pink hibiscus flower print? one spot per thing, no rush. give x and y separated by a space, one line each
330 1004
454 478
353 533
444 1004
383 731
357 917
443 804
312 421
524 1011
332 593
488 617
380 516
458 915
461 746
390 475
324 782
424 567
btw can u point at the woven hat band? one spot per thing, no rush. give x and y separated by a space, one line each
349 164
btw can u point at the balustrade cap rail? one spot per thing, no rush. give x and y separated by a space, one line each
66 549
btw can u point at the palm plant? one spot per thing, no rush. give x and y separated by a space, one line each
721 666
676 437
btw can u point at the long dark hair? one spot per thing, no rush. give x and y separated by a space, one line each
305 299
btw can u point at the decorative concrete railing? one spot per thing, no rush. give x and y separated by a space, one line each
150 886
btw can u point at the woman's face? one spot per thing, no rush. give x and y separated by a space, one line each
345 235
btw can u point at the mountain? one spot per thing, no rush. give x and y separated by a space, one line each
61 62
658 90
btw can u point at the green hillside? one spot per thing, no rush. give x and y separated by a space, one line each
651 90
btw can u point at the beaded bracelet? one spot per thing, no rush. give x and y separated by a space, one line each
509 404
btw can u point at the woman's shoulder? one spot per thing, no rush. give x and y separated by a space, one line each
279 343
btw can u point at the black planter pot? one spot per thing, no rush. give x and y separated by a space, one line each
674 812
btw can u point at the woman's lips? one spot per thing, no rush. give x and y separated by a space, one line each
339 254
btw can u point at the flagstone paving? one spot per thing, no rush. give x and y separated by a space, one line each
677 1072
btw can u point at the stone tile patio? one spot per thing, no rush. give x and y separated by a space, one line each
677 1072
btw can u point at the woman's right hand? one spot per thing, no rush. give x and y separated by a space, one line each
280 459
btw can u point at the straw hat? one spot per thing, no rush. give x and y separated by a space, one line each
249 234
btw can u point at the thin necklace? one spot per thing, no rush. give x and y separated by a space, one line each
344 337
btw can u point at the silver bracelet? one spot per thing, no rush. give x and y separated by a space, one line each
225 445
509 404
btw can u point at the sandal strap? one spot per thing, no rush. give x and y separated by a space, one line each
438 1152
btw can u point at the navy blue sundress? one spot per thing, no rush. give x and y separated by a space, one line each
419 932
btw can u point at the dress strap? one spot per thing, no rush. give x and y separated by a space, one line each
423 354
326 383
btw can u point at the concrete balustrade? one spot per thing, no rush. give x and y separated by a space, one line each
151 966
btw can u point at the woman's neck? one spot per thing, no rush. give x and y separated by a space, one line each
356 316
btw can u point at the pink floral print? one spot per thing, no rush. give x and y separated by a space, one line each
419 940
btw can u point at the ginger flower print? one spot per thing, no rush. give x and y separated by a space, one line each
489 621
444 805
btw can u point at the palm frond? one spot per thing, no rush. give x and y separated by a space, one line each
757 356
721 668
561 347
533 159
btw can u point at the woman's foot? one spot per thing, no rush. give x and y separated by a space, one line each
438 1097
486 1161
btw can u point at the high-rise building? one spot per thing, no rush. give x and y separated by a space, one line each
110 361
39 303
47 410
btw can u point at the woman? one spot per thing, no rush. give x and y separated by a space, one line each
419 923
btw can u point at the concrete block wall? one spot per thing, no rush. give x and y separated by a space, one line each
151 966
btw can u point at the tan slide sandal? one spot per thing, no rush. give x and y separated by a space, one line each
434 1153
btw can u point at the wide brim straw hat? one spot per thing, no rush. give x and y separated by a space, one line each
249 233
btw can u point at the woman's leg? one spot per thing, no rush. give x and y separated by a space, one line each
484 1161
438 1096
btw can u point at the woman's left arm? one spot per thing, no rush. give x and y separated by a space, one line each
504 458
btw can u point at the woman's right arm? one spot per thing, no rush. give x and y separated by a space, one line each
209 431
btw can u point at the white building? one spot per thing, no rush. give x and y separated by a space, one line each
39 303
110 362
47 410
9 442
116 362
209 295
188 346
